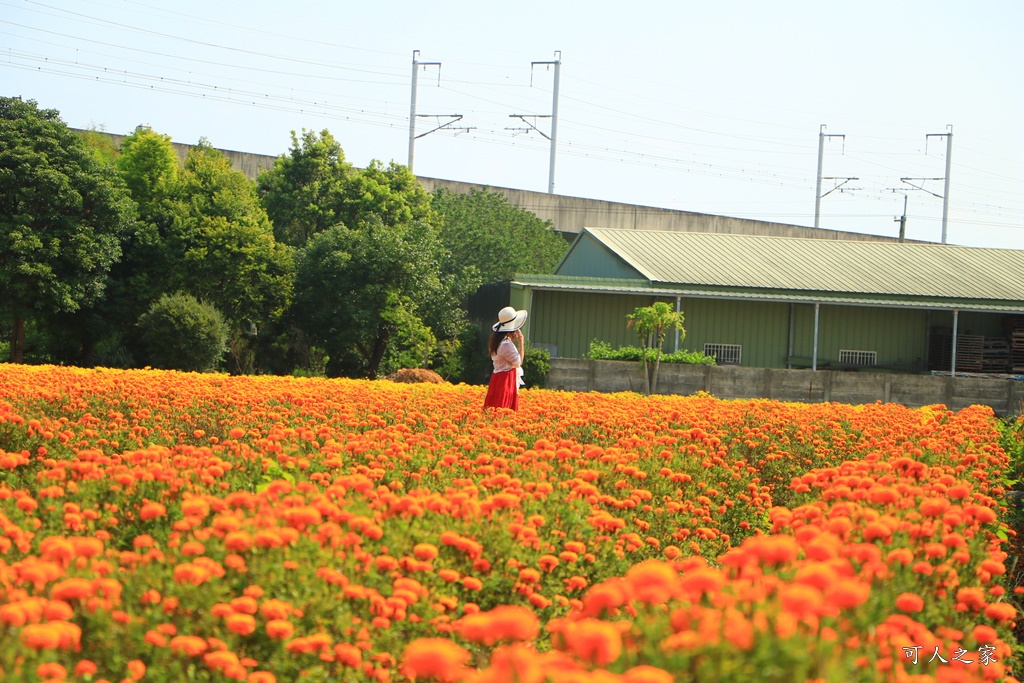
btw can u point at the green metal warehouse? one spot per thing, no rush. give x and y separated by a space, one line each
778 302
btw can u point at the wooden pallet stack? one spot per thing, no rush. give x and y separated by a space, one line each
995 356
1015 335
970 349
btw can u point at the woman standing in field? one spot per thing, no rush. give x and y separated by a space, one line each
506 349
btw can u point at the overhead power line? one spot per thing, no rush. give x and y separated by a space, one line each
582 132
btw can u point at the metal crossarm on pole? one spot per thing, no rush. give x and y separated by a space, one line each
455 118
837 187
523 118
553 137
919 187
416 64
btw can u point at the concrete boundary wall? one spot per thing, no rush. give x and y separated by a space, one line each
1004 396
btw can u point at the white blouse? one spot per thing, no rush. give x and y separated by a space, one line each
507 356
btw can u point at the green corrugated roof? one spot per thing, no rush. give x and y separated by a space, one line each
595 285
874 269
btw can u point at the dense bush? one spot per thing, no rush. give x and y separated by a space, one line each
600 350
181 333
536 366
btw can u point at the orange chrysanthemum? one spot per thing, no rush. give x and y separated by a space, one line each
190 646
152 511
503 623
280 629
593 640
437 659
911 603
653 581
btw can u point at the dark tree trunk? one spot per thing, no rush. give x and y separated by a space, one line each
380 345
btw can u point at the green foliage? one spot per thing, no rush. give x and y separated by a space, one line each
112 352
449 359
204 233
536 366
471 364
101 144
392 193
369 288
200 228
601 350
224 242
1011 440
181 333
149 166
102 334
241 357
357 289
483 232
688 358
305 191
651 324
282 348
62 217
412 342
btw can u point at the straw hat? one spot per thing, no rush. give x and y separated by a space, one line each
509 319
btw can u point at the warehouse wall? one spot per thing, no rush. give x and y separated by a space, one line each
760 328
899 336
569 322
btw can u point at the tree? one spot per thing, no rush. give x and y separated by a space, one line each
101 144
149 167
367 315
224 243
413 340
303 193
390 192
651 324
483 231
104 332
62 217
358 289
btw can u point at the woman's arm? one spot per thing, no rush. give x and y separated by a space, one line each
510 352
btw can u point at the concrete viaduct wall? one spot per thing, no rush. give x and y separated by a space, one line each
1004 396
572 214
249 164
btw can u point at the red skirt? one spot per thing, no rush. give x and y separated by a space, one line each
502 391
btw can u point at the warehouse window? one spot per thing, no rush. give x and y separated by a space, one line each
725 354
858 357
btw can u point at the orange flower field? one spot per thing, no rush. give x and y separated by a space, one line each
160 526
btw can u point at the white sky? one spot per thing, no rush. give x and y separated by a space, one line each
712 106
